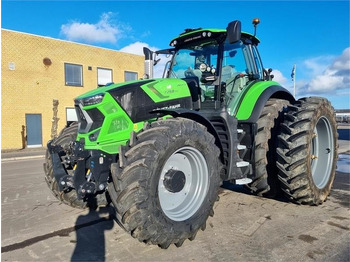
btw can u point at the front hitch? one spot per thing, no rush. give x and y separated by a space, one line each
90 168
59 170
64 180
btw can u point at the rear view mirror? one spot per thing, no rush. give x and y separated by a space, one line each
234 31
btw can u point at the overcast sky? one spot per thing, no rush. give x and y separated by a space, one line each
314 35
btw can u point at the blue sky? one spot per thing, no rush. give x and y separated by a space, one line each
314 35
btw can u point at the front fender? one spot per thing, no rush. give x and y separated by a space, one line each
193 115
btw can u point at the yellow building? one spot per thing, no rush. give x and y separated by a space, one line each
35 70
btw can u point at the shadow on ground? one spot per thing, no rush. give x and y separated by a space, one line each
90 234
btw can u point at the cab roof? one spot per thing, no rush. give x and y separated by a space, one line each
199 34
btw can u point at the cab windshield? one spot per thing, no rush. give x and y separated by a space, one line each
199 62
209 68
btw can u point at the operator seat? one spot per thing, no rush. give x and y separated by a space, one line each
190 72
227 72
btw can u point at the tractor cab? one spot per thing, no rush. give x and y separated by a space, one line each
217 64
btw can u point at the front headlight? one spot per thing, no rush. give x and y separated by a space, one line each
92 100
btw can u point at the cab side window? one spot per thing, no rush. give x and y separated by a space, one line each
258 64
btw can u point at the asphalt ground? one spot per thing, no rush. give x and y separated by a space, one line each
37 227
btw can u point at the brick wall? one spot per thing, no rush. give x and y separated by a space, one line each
28 86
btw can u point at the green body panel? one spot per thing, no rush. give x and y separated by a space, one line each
115 130
117 125
166 89
243 105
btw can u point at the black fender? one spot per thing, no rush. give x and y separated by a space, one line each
195 116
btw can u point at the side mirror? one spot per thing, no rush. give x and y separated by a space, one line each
234 31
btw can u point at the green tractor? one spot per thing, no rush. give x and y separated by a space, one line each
159 149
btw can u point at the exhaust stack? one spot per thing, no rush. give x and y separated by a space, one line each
148 63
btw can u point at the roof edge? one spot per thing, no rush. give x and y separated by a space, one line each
66 41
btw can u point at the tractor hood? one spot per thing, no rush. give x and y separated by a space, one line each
157 89
139 98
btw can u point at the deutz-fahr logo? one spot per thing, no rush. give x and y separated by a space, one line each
169 107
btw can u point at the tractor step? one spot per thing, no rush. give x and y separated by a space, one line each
240 131
243 181
241 147
242 164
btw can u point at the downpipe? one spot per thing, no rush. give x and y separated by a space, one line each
148 63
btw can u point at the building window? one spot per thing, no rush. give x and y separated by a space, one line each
73 74
104 76
130 76
71 115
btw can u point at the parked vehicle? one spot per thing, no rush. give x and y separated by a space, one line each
159 149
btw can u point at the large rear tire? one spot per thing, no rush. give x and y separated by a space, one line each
166 182
307 151
266 182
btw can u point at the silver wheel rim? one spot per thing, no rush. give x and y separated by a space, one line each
183 204
322 153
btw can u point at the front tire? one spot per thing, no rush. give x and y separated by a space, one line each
70 198
307 151
166 182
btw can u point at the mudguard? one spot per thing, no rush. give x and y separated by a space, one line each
254 100
193 115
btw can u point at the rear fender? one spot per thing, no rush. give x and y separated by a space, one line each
254 100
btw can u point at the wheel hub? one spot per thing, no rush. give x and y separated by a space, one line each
174 180
321 152
183 183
